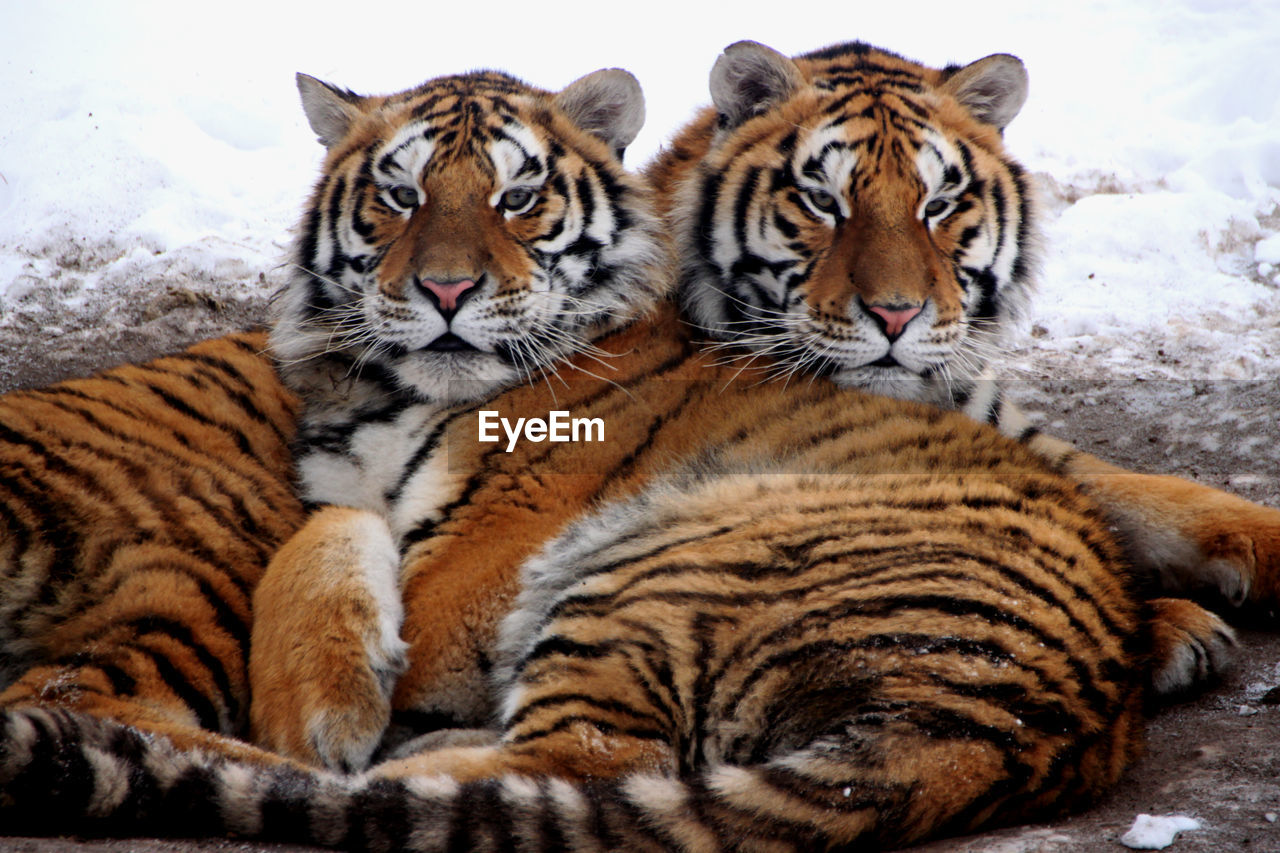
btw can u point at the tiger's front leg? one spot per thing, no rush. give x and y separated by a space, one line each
326 649
1193 538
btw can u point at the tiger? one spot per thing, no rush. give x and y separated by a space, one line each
609 733
463 235
139 509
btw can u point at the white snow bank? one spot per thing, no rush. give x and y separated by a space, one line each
129 141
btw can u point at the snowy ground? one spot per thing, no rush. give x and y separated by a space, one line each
141 147
152 162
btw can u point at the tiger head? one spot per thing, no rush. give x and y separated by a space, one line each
853 214
473 228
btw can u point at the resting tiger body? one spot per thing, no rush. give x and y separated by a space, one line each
140 508
463 236
816 619
811 618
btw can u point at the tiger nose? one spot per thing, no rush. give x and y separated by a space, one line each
894 318
448 296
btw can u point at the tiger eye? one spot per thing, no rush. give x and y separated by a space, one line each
517 200
937 207
405 196
823 200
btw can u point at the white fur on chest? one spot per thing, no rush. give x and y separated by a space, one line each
374 473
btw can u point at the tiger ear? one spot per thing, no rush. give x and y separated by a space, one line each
330 110
607 103
993 89
749 78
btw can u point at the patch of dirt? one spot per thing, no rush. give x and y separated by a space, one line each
1213 757
90 308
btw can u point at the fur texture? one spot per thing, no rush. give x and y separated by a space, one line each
464 235
140 509
840 620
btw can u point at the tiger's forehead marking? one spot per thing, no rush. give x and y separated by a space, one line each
873 119
518 155
826 156
472 117
937 162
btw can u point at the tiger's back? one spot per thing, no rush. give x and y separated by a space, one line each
140 507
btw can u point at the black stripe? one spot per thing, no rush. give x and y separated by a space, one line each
54 463
183 635
182 407
255 536
605 728
240 389
428 446
122 683
286 806
176 680
605 705
54 529
742 206
337 190
550 834
709 202
481 819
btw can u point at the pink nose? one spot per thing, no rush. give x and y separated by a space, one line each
447 293
895 320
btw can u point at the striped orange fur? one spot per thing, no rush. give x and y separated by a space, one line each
140 508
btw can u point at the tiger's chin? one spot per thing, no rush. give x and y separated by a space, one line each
890 381
454 377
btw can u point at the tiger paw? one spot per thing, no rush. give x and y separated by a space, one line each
1236 552
1191 647
1194 539
325 650
1243 541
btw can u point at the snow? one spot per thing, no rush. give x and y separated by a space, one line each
146 137
1156 833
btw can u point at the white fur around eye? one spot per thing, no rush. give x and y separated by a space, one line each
404 157
511 156
824 162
